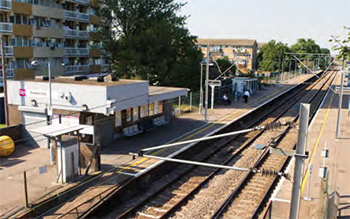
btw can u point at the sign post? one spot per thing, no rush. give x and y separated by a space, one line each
213 84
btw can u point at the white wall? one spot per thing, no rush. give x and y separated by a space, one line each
128 95
93 96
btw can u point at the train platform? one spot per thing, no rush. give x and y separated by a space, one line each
117 164
321 137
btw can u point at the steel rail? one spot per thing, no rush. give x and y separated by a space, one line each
127 213
263 157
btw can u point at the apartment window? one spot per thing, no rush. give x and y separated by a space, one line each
19 19
95 61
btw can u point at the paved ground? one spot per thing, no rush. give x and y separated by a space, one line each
322 136
186 126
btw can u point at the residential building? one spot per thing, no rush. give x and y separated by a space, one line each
243 52
260 45
59 32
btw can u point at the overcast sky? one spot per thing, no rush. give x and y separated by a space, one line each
263 20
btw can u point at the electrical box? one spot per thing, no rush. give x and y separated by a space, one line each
322 172
68 159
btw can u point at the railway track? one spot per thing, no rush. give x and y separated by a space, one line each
250 197
164 201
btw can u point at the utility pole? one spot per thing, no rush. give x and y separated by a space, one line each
299 159
279 67
340 100
201 91
206 86
4 80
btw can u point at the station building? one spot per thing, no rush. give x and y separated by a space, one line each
108 108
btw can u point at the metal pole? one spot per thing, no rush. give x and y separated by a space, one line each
198 139
201 91
50 93
4 80
212 96
179 105
206 87
340 100
26 204
299 161
279 67
190 101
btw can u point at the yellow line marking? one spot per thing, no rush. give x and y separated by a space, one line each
201 130
317 141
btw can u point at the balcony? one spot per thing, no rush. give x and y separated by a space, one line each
77 69
76 52
76 16
76 33
6 27
10 73
6 4
8 50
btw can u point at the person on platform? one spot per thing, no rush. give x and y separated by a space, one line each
226 99
246 96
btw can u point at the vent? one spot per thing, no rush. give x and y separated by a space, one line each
46 78
80 78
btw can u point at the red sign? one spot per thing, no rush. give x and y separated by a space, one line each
22 92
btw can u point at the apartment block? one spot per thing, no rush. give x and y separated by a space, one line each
55 32
242 52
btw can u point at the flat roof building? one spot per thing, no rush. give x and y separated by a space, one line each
107 106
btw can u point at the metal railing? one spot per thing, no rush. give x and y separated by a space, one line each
76 33
8 50
5 27
72 69
9 73
76 51
6 4
73 15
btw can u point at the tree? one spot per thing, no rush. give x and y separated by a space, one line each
306 46
342 46
268 57
148 40
225 63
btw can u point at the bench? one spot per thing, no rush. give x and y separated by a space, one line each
132 130
159 121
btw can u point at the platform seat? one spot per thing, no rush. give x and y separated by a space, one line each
132 130
159 121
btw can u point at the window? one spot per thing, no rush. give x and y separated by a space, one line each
144 111
135 113
20 63
128 115
151 109
118 118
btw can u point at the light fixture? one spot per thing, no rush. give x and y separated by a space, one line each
34 103
84 107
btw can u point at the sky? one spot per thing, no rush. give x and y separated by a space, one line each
263 20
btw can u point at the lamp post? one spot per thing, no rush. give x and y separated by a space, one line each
206 86
201 91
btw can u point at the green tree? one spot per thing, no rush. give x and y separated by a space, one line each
225 63
342 46
268 57
148 40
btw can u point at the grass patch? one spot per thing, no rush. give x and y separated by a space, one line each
2 126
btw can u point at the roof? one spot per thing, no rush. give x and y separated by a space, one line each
58 129
261 45
226 42
157 93
90 81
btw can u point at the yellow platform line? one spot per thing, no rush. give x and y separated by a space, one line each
317 142
201 130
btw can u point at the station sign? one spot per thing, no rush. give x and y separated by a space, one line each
214 83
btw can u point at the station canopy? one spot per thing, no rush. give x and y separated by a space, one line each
56 130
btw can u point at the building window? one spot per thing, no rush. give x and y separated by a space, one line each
22 63
118 118
144 111
151 109
135 114
128 115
